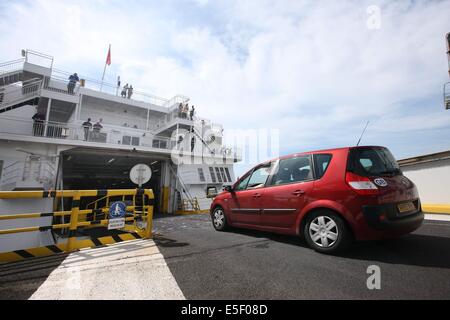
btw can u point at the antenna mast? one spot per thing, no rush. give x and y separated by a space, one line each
367 124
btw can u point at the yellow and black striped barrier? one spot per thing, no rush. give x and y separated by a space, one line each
84 218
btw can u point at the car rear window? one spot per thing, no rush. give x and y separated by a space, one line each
321 164
372 161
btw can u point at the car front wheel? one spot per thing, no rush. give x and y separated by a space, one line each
219 219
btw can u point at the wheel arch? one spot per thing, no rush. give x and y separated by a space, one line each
215 206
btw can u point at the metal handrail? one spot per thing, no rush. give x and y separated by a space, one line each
11 66
114 89
12 62
38 54
62 82
28 90
146 97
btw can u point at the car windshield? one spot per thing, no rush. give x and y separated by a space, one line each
372 161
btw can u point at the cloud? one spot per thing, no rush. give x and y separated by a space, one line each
311 69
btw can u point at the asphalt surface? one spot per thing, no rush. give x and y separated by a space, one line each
189 259
244 264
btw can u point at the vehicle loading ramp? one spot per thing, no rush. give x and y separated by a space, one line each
127 270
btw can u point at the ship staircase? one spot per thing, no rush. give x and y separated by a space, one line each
22 81
18 87
185 202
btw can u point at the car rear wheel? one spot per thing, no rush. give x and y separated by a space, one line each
218 219
327 232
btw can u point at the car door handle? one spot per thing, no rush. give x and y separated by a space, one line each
257 195
298 193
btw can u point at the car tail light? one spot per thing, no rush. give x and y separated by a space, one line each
361 185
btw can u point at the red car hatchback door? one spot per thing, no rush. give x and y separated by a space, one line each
287 192
376 164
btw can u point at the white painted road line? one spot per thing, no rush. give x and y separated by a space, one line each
438 217
132 270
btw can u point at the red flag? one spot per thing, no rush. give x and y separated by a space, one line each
108 57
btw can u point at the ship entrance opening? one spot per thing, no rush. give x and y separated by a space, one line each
84 169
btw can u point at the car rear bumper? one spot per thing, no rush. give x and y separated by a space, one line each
386 218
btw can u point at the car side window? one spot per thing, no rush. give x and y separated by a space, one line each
293 170
321 163
259 177
243 184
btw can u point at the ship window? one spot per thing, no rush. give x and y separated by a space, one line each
228 174
135 141
224 178
213 176
126 140
219 177
160 144
201 175
1 168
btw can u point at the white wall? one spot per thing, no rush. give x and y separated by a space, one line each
9 154
199 192
432 179
18 121
25 240
117 116
189 173
197 189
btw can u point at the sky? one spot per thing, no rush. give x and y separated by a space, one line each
316 71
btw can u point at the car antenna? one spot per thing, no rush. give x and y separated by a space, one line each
367 124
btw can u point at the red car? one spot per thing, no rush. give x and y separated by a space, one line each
330 197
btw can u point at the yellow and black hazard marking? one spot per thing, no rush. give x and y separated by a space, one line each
45 251
81 218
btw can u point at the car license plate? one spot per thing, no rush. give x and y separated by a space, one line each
406 207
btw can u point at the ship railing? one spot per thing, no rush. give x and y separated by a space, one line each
44 60
111 89
12 172
17 93
11 66
109 134
174 102
171 119
59 85
38 58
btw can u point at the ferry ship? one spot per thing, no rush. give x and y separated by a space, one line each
57 151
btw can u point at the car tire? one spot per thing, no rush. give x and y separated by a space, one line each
327 232
219 220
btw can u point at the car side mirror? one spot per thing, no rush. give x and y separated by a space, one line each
228 188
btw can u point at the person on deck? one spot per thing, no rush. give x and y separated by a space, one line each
192 113
38 124
98 125
87 125
124 91
185 111
73 79
130 92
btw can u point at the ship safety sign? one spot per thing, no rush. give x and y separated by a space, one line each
117 212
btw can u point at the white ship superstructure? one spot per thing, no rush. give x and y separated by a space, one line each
57 152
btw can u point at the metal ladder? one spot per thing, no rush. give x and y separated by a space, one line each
180 201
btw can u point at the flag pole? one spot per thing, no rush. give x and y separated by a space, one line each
104 69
